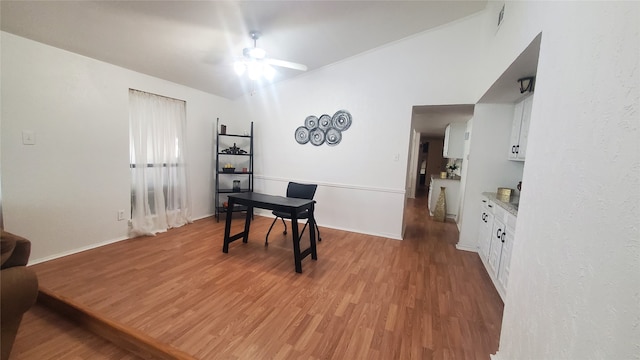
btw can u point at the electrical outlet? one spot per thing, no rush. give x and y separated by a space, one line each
120 215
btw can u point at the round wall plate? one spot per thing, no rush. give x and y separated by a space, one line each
302 135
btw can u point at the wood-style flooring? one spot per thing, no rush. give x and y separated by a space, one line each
365 297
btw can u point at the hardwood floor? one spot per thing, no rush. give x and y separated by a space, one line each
364 298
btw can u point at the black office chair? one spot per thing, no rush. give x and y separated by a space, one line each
300 191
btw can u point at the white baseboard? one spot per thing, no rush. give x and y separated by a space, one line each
466 248
75 251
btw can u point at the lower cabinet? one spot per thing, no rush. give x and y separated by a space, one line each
486 225
495 242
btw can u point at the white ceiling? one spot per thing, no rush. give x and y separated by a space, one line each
430 121
433 119
195 43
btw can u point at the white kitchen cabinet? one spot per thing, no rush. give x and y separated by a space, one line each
486 225
520 129
495 242
454 141
505 260
496 247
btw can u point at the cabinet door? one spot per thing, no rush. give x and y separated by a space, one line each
447 136
505 259
524 127
515 131
495 251
484 240
454 141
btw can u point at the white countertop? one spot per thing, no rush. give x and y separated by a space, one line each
511 207
437 177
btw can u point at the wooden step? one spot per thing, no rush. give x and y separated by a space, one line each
121 335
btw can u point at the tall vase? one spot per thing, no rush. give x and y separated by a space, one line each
440 211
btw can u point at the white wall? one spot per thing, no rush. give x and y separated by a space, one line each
574 287
488 167
365 174
63 193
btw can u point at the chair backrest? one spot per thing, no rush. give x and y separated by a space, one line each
301 191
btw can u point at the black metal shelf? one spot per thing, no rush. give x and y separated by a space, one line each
219 208
231 191
235 135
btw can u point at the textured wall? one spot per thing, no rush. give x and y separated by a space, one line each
574 288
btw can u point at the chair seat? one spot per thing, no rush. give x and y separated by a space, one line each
286 215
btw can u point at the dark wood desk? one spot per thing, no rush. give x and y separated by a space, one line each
293 206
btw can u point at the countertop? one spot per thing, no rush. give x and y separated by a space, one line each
511 207
437 177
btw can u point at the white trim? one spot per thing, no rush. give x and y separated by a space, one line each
466 248
266 213
75 251
334 185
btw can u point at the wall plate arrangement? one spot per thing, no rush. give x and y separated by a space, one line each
324 129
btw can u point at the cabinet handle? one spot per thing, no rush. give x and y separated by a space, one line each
513 149
484 201
490 206
498 233
517 149
502 237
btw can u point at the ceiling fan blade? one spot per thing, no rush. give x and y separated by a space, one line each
286 64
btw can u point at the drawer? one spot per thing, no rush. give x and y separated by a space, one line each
510 221
500 213
488 205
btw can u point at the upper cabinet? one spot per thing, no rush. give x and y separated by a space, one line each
454 141
520 129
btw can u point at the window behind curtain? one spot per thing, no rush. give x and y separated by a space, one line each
159 194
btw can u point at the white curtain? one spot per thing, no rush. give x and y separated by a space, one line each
159 196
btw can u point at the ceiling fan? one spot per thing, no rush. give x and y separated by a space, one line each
256 63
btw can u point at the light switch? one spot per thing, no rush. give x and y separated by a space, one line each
28 137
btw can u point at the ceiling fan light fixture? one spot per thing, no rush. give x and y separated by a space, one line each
257 53
239 67
254 70
268 72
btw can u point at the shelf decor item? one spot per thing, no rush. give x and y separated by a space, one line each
451 169
440 212
228 170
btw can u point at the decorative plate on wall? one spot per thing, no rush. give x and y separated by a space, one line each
317 137
302 135
333 137
324 122
341 120
311 122
326 129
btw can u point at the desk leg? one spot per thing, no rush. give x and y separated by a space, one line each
297 257
227 226
312 233
247 224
